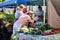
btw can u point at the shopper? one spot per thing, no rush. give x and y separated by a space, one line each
19 11
23 19
39 14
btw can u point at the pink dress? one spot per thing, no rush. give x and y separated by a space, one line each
21 21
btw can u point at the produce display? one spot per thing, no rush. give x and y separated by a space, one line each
38 30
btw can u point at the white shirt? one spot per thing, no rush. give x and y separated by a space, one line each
18 13
39 13
36 18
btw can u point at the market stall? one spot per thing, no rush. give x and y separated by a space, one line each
37 37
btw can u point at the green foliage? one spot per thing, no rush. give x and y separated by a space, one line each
2 0
47 26
40 28
36 32
1 15
8 16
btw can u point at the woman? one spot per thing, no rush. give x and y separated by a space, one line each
23 19
20 10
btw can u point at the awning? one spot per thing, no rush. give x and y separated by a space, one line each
17 2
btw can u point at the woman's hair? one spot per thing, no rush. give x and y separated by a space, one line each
30 12
22 6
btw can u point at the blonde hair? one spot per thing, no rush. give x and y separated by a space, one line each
22 6
31 12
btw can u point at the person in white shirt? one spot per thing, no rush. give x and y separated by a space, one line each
19 11
39 14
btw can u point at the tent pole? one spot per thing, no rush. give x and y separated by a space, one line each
44 10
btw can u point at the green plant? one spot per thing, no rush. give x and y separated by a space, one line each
41 28
47 26
9 16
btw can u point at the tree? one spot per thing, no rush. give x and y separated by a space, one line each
2 0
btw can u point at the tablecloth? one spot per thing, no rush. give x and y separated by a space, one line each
39 37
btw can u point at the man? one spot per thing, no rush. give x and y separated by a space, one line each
19 11
39 14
